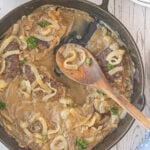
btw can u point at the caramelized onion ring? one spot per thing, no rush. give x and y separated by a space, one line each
69 60
63 145
115 57
76 59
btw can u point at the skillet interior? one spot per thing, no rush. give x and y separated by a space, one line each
137 97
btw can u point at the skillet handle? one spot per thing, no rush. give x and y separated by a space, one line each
104 4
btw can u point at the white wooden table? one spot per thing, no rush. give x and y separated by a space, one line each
137 20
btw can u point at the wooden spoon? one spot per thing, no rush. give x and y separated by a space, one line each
94 77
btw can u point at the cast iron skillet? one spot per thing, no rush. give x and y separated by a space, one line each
99 12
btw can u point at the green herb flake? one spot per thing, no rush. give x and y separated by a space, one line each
23 62
31 42
114 110
110 66
44 138
101 93
88 62
43 24
2 105
81 144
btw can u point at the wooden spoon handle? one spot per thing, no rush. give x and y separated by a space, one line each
124 103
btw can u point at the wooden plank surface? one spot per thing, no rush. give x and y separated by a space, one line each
137 20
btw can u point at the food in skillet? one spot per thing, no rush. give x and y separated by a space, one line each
40 107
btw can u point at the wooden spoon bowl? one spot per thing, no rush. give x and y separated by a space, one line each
84 74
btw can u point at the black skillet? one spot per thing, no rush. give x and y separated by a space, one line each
100 13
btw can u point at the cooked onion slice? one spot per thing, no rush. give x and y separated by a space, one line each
68 61
15 29
3 84
7 117
50 95
53 131
123 114
3 66
114 46
39 79
44 87
6 42
82 56
84 120
65 101
44 32
115 70
53 23
34 15
44 125
24 126
23 43
35 117
74 57
9 53
59 143
25 88
93 120
44 38
115 57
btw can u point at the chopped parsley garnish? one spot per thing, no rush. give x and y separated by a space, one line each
31 42
23 62
2 105
88 61
81 144
110 66
43 24
114 110
100 92
44 138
